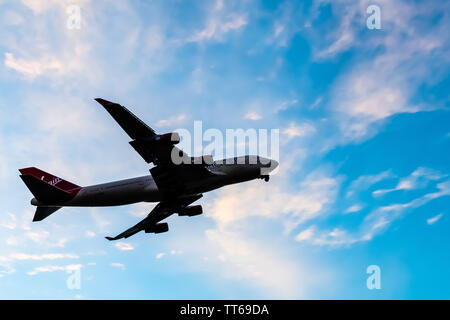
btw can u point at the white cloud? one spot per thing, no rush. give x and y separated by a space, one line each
384 86
172 121
118 265
124 246
301 130
253 116
316 103
160 255
366 181
354 208
5 269
70 267
40 6
33 68
218 26
46 256
246 259
90 234
10 222
364 98
36 257
235 22
305 234
434 219
345 39
418 179
38 236
285 105
172 252
12 241
376 222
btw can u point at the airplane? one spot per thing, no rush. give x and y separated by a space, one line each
173 183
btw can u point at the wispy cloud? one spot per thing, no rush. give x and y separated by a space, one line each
418 179
10 222
253 116
376 222
124 246
47 256
33 68
434 219
354 208
90 234
70 267
285 105
172 121
160 255
299 130
118 265
366 181
218 26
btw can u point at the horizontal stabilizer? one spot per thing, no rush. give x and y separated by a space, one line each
44 212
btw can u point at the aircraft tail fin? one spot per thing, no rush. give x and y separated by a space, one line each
44 212
48 188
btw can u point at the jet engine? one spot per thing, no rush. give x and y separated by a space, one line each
158 228
191 211
171 138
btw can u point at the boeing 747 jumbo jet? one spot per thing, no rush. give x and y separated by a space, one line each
175 181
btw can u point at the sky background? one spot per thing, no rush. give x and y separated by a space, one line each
364 146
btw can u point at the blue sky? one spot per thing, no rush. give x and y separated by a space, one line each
364 146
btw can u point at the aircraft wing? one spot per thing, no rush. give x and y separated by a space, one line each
162 210
145 141
131 124
172 179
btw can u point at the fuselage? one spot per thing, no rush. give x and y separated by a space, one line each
145 189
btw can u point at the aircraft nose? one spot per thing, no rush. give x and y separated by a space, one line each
273 164
268 164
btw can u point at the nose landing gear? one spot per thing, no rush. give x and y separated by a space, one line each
265 177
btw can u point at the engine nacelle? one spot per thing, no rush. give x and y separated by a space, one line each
171 138
158 228
191 211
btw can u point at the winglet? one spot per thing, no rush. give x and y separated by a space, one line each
103 102
110 238
132 125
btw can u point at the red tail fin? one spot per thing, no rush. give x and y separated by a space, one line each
48 188
49 179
